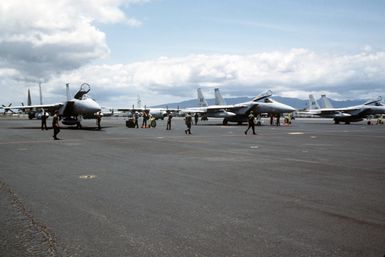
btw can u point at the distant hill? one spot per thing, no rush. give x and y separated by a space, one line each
294 102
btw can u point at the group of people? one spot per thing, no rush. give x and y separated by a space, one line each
252 121
56 119
134 121
55 123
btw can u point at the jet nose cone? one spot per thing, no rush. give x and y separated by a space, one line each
290 109
284 108
93 107
97 107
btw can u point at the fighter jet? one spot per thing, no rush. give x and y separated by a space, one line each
346 114
71 111
238 112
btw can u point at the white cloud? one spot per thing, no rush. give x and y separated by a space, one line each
56 42
295 73
42 38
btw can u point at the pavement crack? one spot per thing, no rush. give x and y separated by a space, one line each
29 232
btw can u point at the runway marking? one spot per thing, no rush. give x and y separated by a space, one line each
22 149
25 142
87 176
38 141
295 133
254 147
72 144
302 160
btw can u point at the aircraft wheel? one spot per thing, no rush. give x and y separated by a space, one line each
224 122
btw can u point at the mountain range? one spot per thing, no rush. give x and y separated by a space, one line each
294 102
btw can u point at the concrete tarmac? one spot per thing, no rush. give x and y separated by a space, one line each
309 189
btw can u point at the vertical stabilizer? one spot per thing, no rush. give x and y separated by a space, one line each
68 91
40 94
201 99
29 101
218 97
313 105
325 102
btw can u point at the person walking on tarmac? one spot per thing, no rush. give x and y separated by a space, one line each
188 121
278 118
44 116
146 116
251 122
98 119
169 117
136 120
55 125
196 117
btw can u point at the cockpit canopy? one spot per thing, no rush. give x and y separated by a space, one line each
82 93
376 102
262 96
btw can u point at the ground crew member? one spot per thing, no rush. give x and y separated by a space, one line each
380 120
55 125
98 119
251 122
278 119
44 117
136 119
169 117
145 118
196 116
188 121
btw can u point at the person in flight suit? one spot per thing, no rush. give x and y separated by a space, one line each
44 116
188 121
55 125
251 122
169 117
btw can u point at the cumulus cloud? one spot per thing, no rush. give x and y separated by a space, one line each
56 41
294 73
39 39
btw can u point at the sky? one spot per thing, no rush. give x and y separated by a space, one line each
163 50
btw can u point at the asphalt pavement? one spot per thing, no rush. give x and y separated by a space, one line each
309 189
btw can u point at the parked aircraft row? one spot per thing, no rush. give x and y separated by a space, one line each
82 106
230 113
346 114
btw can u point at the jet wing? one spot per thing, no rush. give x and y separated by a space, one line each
131 109
332 112
48 107
219 111
146 109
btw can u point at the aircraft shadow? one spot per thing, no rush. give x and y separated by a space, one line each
65 128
